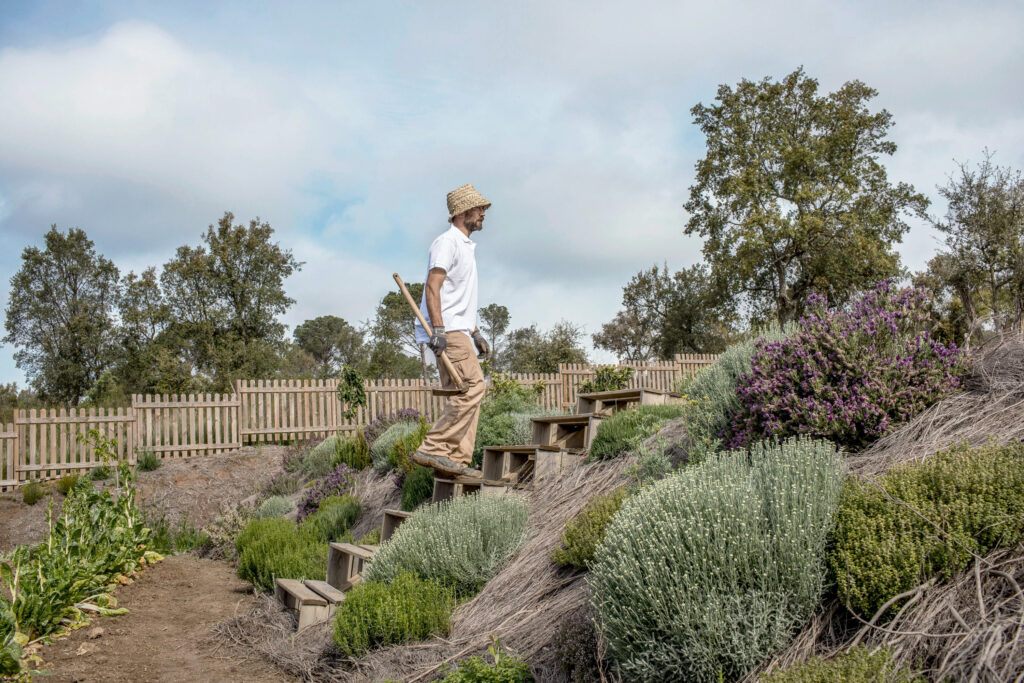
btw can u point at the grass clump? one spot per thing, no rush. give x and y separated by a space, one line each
417 487
66 483
275 506
283 484
100 473
381 451
859 665
271 548
503 668
709 571
147 461
924 520
353 451
171 541
625 429
336 515
461 543
406 609
32 493
584 532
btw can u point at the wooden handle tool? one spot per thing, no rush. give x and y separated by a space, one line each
462 384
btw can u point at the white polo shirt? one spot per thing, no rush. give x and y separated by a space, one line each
456 253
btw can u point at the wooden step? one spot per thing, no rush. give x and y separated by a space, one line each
312 607
566 431
550 464
624 399
446 489
345 563
500 463
392 520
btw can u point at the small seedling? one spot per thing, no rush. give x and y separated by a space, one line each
105 449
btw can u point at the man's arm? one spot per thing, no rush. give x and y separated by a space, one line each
433 290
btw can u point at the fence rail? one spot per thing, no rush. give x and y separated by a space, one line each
46 444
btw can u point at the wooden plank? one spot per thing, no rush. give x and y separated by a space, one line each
70 419
199 447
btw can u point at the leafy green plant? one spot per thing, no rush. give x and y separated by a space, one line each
417 487
32 493
403 610
271 548
350 391
624 430
100 473
103 448
382 450
606 378
170 541
335 516
353 451
859 665
503 668
400 456
371 537
147 461
461 542
125 472
320 460
276 506
925 519
66 483
709 571
584 532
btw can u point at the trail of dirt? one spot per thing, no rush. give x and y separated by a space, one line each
165 636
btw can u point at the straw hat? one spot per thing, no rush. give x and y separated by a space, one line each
464 198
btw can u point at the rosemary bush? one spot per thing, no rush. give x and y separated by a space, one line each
417 487
859 665
709 571
335 516
32 493
271 548
406 609
66 483
381 450
584 532
461 542
353 451
625 429
925 519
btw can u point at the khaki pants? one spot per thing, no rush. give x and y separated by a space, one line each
454 433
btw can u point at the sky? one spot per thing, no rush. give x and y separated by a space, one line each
345 124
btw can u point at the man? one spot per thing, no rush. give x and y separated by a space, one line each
450 304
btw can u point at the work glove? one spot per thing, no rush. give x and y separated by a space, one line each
482 346
439 342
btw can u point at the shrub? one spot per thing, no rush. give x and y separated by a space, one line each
354 451
461 542
337 483
575 646
372 537
319 461
291 460
627 428
504 668
271 548
417 487
406 609
400 456
148 461
383 422
848 376
100 473
32 493
924 520
607 378
281 485
711 569
224 530
859 665
584 532
275 506
168 541
66 483
381 450
335 516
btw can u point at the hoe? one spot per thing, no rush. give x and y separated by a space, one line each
462 384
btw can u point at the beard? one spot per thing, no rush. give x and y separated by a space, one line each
475 226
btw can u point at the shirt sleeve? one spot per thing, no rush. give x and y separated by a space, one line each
442 255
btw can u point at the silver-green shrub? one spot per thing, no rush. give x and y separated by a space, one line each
711 570
276 506
460 543
381 448
320 459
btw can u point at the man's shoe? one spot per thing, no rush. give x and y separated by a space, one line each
439 463
468 471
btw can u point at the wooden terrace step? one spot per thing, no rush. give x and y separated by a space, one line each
392 520
624 399
446 488
566 431
345 563
313 608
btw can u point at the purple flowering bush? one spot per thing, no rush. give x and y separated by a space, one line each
383 421
336 483
847 375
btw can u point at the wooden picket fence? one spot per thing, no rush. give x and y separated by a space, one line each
46 444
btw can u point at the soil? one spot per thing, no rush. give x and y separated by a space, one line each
166 634
195 490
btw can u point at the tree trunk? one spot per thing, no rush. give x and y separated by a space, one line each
423 361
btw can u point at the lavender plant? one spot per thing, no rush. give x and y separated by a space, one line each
383 421
847 375
337 483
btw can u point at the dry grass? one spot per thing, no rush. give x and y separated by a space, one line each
376 493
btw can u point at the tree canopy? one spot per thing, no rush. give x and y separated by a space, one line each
532 350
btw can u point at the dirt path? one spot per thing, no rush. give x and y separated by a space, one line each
165 637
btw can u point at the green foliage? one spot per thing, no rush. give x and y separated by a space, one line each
332 343
97 537
148 461
170 541
505 414
32 493
710 570
276 506
607 378
225 529
59 315
282 485
503 668
335 516
100 473
417 487
353 451
926 519
320 460
125 473
382 450
66 483
532 350
372 537
406 609
105 449
792 198
624 430
859 665
575 645
271 548
350 391
461 543
584 532
400 456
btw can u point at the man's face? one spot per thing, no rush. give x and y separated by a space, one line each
475 219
